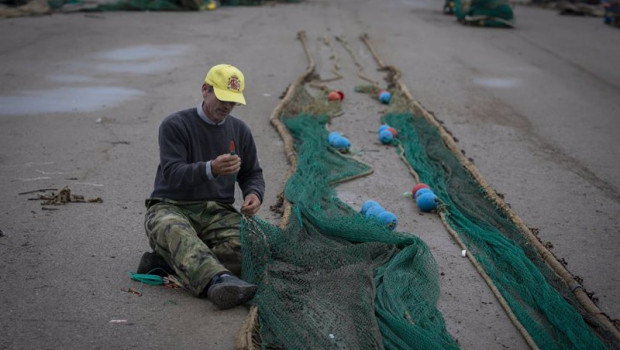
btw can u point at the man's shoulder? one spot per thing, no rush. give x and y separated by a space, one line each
185 115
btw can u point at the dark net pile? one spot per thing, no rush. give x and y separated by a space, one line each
175 5
490 13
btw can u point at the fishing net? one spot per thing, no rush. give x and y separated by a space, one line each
146 5
539 298
250 2
612 12
489 13
331 278
334 279
176 5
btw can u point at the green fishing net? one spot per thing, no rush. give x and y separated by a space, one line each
332 279
541 301
175 5
535 294
490 13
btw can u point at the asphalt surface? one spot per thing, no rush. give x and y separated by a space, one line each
535 107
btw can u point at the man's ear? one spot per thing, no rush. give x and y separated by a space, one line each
205 89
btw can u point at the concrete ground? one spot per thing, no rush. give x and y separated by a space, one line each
535 107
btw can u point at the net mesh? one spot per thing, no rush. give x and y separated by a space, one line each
612 12
332 279
491 13
537 296
175 5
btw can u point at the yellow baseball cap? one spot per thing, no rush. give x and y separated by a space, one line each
227 82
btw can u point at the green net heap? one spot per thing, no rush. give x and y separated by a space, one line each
178 5
333 279
541 301
488 13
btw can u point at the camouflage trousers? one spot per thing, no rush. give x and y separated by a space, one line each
198 239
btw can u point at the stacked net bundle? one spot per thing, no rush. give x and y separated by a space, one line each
146 5
490 13
176 5
612 12
541 301
250 2
332 279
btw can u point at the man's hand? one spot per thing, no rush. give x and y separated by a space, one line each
225 164
251 204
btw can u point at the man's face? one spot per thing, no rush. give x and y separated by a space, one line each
215 109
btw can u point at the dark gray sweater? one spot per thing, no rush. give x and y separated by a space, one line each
187 143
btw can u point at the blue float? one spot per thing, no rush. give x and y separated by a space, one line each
388 219
367 205
333 135
427 202
337 141
383 127
385 97
341 143
386 136
374 212
422 191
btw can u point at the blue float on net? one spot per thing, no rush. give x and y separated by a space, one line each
382 127
367 205
333 135
386 136
341 143
427 202
388 219
374 212
385 97
422 191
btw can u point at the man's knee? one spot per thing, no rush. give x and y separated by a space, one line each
229 254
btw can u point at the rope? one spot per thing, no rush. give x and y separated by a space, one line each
289 148
336 65
359 66
245 337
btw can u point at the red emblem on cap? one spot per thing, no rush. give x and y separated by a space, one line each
233 83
